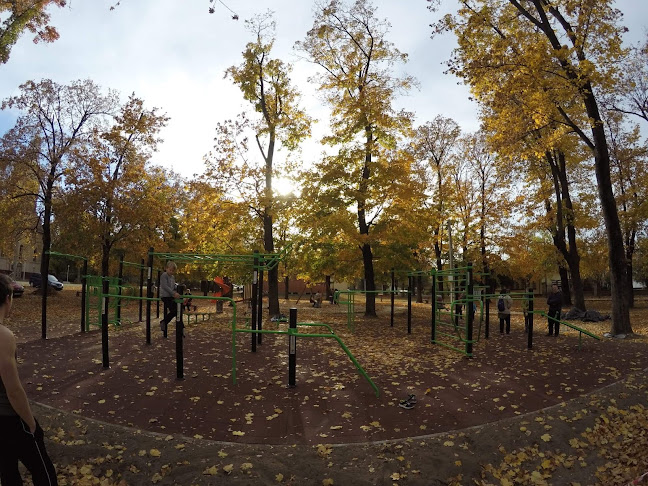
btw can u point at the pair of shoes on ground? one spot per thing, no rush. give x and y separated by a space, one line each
408 403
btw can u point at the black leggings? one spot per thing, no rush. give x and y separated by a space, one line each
551 322
170 309
17 443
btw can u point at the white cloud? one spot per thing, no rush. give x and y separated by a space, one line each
173 54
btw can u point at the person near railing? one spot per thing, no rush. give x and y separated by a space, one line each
554 302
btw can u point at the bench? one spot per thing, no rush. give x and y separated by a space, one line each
205 316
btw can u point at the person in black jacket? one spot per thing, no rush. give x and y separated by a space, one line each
554 301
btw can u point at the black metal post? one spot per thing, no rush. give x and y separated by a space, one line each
530 336
292 348
469 310
254 299
149 295
487 327
260 310
104 323
141 290
393 284
84 287
179 337
433 298
120 276
410 289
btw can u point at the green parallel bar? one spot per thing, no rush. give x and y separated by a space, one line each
56 253
133 297
459 350
565 323
457 338
331 335
132 264
454 271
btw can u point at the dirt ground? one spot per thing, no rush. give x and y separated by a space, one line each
557 414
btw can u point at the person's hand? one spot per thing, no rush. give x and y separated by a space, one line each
176 295
32 425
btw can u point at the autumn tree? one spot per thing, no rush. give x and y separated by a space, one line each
485 198
436 145
265 83
629 156
632 96
21 15
109 182
350 46
55 119
556 57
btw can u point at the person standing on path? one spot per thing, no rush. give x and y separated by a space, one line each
504 304
168 294
554 301
21 436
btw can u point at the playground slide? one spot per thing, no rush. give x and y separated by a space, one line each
224 287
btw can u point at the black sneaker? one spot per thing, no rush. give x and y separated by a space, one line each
406 404
411 398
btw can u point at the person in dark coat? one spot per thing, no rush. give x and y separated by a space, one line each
554 301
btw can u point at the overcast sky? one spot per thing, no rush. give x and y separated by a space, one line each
173 53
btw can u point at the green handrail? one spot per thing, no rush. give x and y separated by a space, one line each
580 330
296 333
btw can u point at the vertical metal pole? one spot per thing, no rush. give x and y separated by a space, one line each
84 291
487 327
149 295
260 310
433 298
179 336
104 323
157 286
530 336
393 283
451 284
44 290
120 276
254 301
292 348
141 289
410 289
469 307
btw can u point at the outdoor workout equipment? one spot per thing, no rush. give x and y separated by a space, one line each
83 292
94 304
350 303
258 263
293 333
446 330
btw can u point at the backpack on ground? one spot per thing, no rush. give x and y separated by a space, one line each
500 304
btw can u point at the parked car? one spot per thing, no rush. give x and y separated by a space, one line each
17 288
52 281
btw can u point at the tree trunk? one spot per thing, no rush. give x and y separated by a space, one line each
327 287
564 221
273 273
286 287
268 240
629 251
439 264
616 256
564 285
45 257
367 254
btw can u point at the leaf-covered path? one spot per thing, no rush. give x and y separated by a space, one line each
271 434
